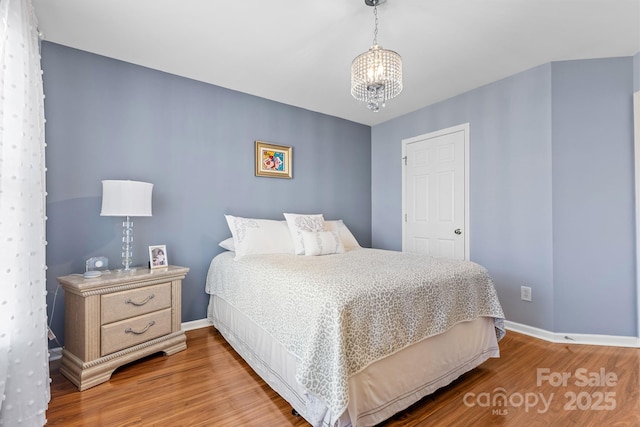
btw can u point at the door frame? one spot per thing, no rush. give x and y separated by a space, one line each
467 229
636 146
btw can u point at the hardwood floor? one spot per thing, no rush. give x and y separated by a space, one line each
210 385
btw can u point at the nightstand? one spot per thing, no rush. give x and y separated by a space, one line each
118 318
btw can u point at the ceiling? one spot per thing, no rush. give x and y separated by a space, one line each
299 52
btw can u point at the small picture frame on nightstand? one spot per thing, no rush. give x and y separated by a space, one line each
158 256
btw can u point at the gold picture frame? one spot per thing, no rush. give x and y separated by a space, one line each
273 160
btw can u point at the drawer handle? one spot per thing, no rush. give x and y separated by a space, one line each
131 331
138 304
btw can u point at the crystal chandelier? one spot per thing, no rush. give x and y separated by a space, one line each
376 75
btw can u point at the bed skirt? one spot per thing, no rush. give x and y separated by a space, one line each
376 392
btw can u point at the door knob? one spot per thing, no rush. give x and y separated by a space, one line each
458 231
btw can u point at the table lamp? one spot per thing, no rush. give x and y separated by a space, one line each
126 198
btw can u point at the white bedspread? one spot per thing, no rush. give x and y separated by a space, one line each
339 313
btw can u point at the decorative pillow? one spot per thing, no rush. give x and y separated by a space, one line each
321 243
228 244
298 223
348 240
259 236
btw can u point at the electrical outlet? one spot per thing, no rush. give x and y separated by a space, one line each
525 293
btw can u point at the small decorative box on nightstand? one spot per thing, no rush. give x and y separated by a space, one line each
118 318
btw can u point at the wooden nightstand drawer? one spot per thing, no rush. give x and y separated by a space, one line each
129 332
134 302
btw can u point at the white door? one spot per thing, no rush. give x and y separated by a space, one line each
435 193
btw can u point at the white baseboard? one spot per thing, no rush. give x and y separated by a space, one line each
569 338
589 339
56 353
196 324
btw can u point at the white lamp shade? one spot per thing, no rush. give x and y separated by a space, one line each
126 198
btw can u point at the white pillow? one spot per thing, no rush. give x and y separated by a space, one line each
298 223
228 244
348 240
321 243
259 236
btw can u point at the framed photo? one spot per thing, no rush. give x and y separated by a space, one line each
158 256
273 160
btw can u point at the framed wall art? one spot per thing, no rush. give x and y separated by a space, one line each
273 160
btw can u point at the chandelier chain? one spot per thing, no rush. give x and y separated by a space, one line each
375 31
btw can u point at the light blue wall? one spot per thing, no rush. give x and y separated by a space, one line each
111 120
593 201
108 119
532 156
510 180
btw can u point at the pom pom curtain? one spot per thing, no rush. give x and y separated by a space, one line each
24 367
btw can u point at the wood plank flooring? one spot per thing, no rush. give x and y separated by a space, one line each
210 385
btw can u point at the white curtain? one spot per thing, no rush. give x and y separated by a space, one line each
24 367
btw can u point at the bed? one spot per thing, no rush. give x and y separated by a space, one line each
356 335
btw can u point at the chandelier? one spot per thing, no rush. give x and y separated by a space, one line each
376 75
